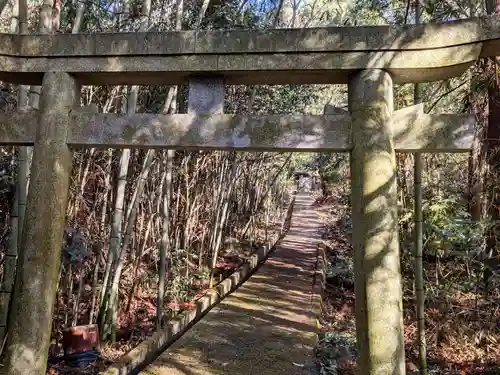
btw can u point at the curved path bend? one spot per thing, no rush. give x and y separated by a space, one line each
268 325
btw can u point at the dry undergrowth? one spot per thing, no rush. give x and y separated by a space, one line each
463 326
139 323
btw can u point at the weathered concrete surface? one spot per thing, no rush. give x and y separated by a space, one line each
30 318
378 286
278 132
297 56
268 326
206 96
18 128
412 131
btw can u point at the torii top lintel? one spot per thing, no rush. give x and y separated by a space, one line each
410 53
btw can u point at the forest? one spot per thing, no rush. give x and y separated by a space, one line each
149 231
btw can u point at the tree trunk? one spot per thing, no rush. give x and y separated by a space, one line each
18 25
223 215
106 305
109 302
165 239
419 268
493 152
120 260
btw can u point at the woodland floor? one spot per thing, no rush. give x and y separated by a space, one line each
137 321
462 326
265 327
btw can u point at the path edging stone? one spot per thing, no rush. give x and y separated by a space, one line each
149 349
319 286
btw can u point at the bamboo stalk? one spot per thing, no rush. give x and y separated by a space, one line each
165 238
419 269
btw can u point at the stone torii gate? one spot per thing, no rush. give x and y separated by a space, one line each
368 59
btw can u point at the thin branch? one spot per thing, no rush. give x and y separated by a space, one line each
445 94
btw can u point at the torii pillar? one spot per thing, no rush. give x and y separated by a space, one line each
379 312
31 317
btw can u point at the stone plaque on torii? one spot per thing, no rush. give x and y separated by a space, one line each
368 59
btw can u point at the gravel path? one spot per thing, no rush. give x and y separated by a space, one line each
268 325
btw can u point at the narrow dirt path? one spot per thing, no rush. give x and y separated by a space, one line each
267 326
